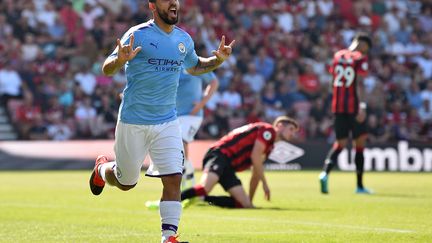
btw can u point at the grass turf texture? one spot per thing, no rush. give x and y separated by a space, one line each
58 207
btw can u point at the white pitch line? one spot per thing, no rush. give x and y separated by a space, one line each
288 232
298 222
312 223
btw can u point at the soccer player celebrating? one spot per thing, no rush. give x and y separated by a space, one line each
348 106
190 101
244 147
153 54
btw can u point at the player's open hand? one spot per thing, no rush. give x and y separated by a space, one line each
126 52
223 52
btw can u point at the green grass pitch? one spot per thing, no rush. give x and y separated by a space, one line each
58 207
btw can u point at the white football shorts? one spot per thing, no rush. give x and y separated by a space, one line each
162 142
189 126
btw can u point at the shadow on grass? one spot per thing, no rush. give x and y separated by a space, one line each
289 209
201 204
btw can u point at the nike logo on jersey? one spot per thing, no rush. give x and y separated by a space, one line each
153 44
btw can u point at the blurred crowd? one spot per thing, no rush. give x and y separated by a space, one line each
51 52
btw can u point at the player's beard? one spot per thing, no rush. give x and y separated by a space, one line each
166 19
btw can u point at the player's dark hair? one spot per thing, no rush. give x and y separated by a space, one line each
286 120
152 1
365 38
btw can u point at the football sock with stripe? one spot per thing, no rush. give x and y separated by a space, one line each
170 212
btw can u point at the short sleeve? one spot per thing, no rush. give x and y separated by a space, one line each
208 77
191 58
266 135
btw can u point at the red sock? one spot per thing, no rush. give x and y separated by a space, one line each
199 191
238 205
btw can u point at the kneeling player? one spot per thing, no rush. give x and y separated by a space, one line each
244 147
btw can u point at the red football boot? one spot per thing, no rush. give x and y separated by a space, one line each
96 182
173 239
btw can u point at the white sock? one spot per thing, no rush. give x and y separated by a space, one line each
322 174
102 168
170 212
188 179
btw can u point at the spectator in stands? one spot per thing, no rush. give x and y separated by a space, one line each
107 117
254 79
58 130
38 129
425 112
309 84
10 83
414 126
231 98
29 49
85 115
264 63
377 133
48 42
86 80
427 93
414 96
25 115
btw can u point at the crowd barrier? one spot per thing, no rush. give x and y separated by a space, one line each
401 156
51 155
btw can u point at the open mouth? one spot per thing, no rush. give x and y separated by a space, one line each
173 12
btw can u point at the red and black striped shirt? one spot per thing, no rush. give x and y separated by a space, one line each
238 144
345 68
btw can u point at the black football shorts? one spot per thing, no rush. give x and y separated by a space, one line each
346 123
216 162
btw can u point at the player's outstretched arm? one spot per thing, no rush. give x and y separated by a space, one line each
257 158
124 53
208 64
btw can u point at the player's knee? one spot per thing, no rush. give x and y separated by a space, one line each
207 188
126 187
243 202
246 204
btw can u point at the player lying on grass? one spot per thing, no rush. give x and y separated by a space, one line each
245 147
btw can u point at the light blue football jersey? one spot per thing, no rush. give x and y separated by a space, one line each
190 91
149 96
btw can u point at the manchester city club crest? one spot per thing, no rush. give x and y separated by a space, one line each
181 47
